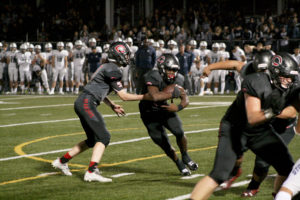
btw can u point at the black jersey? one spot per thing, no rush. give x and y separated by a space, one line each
257 85
106 79
247 69
153 78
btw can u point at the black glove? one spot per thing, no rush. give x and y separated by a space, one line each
176 92
277 101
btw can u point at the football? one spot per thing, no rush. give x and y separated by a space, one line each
169 88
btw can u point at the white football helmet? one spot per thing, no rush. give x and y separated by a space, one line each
13 45
37 48
193 43
31 46
215 47
106 47
1 45
69 45
161 43
23 47
129 40
155 45
48 45
222 45
60 45
92 40
203 44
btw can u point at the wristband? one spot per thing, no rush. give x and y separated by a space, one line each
180 107
294 128
269 113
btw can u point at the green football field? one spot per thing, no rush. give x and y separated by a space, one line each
35 130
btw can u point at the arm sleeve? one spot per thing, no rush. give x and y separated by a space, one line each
151 79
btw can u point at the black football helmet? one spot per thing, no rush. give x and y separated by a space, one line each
283 65
168 61
262 60
119 53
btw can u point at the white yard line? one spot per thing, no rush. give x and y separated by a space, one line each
186 196
113 143
33 107
17 97
122 174
192 176
73 119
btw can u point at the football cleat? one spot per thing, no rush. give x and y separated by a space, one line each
227 184
63 167
192 165
249 193
95 176
185 172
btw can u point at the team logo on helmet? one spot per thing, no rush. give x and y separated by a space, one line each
276 60
161 59
120 48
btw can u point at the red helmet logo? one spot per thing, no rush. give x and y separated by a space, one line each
276 60
120 48
161 59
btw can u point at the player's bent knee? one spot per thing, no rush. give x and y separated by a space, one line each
219 177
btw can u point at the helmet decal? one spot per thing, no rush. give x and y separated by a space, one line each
161 59
276 60
120 48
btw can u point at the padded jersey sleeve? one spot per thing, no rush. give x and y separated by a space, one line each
249 86
114 77
152 78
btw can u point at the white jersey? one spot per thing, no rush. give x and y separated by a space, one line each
2 55
297 57
13 57
133 50
203 54
195 71
38 61
158 52
214 56
238 54
173 51
24 60
225 55
78 56
59 58
196 52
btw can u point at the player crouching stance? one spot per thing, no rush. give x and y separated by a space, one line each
158 115
107 78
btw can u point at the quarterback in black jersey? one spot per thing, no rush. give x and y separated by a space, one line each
106 79
247 124
158 115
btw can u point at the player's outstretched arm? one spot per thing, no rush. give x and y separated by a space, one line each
225 65
115 107
129 97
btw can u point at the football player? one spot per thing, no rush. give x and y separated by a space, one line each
78 59
105 53
1 66
24 61
225 55
194 49
214 56
247 121
48 64
11 60
39 74
70 70
158 115
239 55
106 79
172 47
59 65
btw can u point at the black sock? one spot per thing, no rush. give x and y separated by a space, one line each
185 157
179 164
254 185
234 171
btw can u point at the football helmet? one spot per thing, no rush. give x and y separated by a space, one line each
31 46
129 41
78 44
69 45
92 42
283 65
215 47
106 47
222 45
13 46
262 60
60 45
48 45
37 48
1 45
193 43
203 44
161 43
168 61
119 53
155 45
